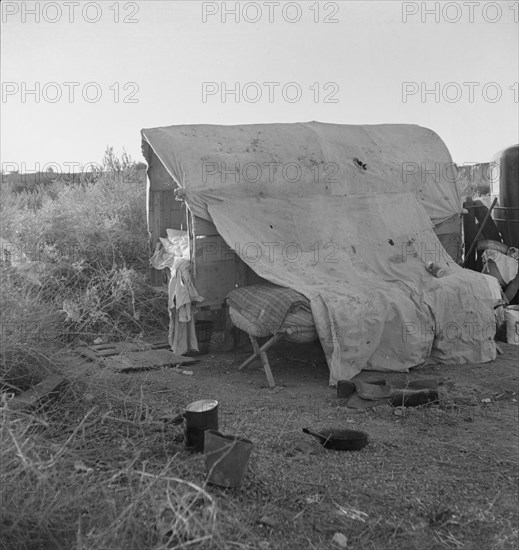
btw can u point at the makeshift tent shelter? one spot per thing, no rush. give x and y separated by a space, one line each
345 215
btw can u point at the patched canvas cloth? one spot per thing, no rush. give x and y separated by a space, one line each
313 158
361 263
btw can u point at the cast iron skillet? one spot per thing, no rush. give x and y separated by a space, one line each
340 440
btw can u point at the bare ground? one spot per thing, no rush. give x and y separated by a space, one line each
431 477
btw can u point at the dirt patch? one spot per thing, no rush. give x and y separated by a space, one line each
431 477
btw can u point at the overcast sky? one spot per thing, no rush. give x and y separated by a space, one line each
78 76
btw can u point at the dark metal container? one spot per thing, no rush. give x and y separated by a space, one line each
345 388
199 416
505 183
226 458
204 332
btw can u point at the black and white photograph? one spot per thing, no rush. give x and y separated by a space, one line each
259 275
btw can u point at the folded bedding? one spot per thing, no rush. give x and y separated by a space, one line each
262 310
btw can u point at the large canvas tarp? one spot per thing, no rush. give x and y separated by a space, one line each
360 262
358 255
314 158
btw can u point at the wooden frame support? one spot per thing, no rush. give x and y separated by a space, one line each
261 352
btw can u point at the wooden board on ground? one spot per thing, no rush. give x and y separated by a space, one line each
38 394
146 360
98 351
115 348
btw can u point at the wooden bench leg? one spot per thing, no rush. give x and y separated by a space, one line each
253 356
264 359
264 347
263 355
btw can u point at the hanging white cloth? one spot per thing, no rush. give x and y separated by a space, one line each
181 290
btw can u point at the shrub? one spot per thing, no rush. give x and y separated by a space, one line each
101 222
83 271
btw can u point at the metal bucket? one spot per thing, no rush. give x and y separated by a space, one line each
204 333
226 458
199 416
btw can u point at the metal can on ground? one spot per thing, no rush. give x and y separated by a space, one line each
199 416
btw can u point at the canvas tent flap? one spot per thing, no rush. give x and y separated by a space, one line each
361 263
316 158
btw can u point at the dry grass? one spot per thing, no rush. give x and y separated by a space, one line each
76 479
79 260
65 484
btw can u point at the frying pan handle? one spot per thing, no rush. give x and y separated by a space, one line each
315 434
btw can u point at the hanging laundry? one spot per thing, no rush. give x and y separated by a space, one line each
174 255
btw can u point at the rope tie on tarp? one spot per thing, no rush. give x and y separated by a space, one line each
181 195
191 232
